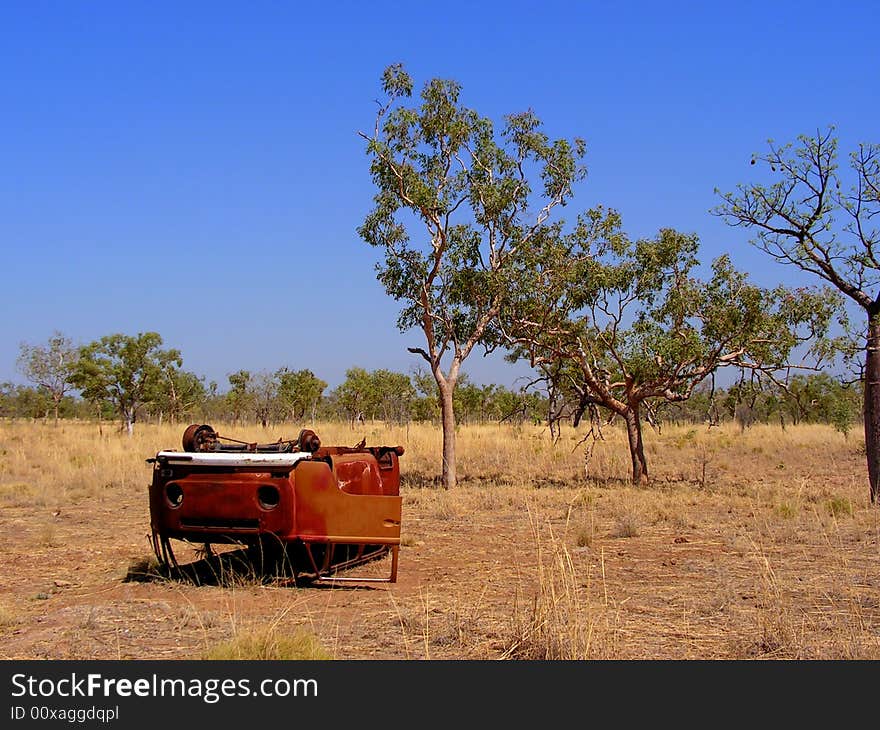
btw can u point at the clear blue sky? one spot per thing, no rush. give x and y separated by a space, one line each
194 168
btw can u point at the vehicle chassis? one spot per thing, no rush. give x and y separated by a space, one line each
327 508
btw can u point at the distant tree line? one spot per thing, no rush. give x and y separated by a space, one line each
132 379
813 398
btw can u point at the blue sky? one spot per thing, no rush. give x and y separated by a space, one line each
194 168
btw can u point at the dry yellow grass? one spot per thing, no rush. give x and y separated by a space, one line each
44 464
755 544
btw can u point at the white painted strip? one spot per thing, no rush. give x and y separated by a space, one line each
209 458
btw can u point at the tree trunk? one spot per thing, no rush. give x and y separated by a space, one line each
129 425
447 417
636 448
872 404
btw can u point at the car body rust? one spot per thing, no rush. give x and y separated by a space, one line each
325 508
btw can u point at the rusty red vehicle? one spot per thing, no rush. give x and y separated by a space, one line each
323 508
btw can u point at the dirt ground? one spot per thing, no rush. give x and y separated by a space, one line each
682 569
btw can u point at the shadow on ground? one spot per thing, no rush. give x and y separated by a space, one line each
247 565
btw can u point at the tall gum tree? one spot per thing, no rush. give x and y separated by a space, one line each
628 323
457 205
804 215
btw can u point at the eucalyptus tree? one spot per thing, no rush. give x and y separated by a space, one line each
459 202
805 215
368 395
300 392
394 395
264 390
50 366
180 392
354 396
240 398
632 325
125 371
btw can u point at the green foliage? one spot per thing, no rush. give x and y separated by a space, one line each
265 396
839 507
443 164
806 217
240 398
264 391
395 397
50 367
805 213
803 398
124 371
477 403
380 394
843 412
455 215
180 393
23 402
820 398
639 324
627 323
300 392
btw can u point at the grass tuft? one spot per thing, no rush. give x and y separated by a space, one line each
267 643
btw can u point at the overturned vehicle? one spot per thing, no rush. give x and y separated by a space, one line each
323 508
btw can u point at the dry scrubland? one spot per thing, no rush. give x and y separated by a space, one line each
745 545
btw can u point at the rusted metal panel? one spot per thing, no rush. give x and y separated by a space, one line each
343 501
324 510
